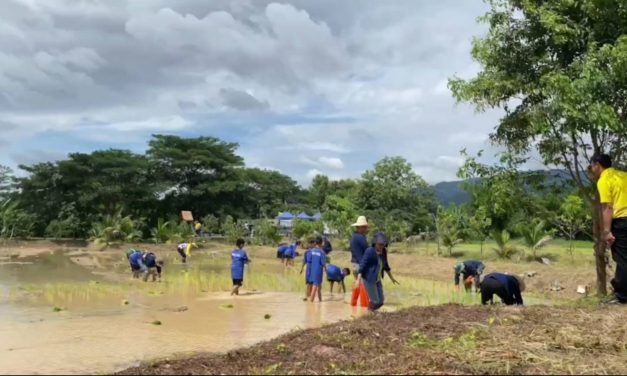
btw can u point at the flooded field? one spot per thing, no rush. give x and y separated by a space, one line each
79 311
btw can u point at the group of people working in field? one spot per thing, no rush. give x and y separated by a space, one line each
370 260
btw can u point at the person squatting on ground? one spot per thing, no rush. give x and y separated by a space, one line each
371 269
358 243
612 187
239 258
307 267
507 287
470 271
318 266
136 261
335 274
153 267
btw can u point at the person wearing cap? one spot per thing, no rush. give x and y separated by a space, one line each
358 243
370 272
153 267
317 269
612 187
507 287
470 270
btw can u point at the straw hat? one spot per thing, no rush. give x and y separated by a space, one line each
361 221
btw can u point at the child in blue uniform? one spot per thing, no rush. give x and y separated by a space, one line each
239 258
335 274
153 267
307 266
280 251
136 260
290 253
318 266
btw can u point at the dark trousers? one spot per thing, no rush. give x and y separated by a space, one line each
183 255
491 287
619 255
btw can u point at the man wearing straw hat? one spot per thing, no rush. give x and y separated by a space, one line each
359 243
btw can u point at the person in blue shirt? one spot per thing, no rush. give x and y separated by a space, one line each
372 267
335 274
468 270
307 267
239 258
136 260
318 266
290 253
280 251
507 287
358 243
153 267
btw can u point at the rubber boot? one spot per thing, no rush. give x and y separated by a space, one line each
363 296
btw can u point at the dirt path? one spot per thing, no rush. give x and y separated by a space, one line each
438 340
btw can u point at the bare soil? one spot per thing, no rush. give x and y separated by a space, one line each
447 339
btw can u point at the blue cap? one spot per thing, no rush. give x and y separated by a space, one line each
379 238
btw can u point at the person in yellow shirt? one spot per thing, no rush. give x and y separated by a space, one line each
612 187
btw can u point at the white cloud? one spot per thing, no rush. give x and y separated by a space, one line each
335 82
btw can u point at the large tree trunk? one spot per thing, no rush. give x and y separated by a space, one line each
599 246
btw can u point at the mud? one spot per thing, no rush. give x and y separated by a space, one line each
447 339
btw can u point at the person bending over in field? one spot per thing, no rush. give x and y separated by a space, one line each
470 271
507 287
335 274
184 250
136 261
290 254
153 267
239 258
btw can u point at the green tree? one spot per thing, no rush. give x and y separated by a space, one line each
318 191
393 187
558 69
573 219
232 231
504 248
266 233
266 192
210 224
536 237
480 225
449 237
198 174
6 182
303 229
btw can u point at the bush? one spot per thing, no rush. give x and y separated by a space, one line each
14 222
266 233
211 224
232 231
115 229
169 232
307 228
63 228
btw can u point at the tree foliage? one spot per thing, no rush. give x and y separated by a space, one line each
558 71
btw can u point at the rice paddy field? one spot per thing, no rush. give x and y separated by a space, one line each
69 308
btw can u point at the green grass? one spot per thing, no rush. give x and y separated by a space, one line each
556 250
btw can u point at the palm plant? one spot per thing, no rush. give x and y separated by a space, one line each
504 249
163 231
115 229
449 237
535 237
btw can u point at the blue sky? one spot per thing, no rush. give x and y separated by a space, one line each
305 87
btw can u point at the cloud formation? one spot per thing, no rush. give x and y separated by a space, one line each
306 87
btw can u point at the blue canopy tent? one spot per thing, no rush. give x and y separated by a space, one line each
287 216
317 216
285 220
304 217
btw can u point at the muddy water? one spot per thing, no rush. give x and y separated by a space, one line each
101 333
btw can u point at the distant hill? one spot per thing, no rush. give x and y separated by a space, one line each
452 192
